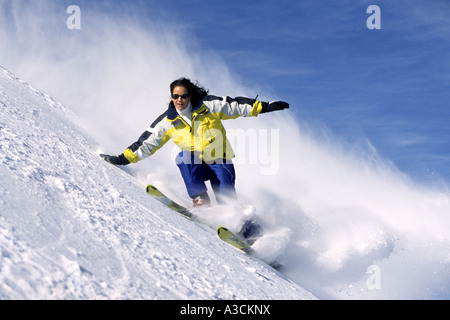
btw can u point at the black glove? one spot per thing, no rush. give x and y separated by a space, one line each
274 106
118 160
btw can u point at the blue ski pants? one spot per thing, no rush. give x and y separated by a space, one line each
195 172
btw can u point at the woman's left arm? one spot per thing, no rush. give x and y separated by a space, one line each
230 108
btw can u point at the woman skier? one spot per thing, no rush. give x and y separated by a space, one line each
193 122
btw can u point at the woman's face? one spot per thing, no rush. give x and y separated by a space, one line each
180 97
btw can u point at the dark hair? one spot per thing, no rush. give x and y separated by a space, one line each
194 89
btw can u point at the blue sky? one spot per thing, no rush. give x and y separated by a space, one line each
389 88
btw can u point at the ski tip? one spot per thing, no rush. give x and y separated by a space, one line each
227 236
221 229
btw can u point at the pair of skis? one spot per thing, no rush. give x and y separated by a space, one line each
223 233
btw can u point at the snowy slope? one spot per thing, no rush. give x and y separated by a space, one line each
75 227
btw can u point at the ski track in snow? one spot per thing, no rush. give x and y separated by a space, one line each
74 227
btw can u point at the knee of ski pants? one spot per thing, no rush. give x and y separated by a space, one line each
193 173
223 182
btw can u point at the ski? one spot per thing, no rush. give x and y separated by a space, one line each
158 195
230 238
235 241
223 233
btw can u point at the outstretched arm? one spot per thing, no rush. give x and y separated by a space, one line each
151 140
230 108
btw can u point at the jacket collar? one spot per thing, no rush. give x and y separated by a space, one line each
172 113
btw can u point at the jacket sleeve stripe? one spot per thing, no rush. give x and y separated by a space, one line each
230 108
147 133
134 152
156 140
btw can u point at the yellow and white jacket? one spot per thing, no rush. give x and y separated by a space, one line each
205 136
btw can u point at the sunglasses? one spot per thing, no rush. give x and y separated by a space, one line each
183 96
